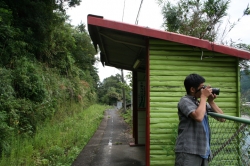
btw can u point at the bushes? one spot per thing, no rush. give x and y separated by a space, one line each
5 131
30 93
27 81
6 95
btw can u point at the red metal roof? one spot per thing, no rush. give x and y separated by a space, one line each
168 36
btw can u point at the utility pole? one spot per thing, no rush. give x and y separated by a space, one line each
123 92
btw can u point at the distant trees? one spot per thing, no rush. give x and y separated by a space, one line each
245 74
245 85
110 90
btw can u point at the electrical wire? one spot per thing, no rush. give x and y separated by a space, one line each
137 18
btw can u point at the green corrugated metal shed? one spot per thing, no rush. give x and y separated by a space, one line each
161 60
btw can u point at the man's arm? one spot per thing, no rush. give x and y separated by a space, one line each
215 107
199 113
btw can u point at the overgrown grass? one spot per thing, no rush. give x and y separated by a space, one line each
127 116
58 142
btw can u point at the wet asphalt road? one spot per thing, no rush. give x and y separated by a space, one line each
109 146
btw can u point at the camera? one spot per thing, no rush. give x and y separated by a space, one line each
214 90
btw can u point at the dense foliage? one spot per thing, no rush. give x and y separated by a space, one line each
44 62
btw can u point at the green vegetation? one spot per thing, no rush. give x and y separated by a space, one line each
245 92
45 65
110 90
47 78
245 85
198 18
127 116
59 141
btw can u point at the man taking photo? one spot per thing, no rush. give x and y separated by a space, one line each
193 141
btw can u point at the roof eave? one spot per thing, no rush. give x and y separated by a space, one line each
168 36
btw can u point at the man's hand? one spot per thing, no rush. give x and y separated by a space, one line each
206 92
220 119
214 106
211 98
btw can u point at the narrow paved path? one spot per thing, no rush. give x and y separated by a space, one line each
109 146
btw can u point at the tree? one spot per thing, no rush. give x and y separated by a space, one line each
84 53
198 18
110 90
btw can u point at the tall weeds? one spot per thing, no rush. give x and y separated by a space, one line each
58 141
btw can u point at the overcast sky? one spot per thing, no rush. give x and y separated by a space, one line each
150 16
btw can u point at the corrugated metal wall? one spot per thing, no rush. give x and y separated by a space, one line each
170 63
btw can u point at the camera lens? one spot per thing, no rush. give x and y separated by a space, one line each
216 91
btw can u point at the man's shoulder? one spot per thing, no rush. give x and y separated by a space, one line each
185 98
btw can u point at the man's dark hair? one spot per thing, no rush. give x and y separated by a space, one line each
193 80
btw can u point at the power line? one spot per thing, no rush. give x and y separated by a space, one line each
137 18
123 10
